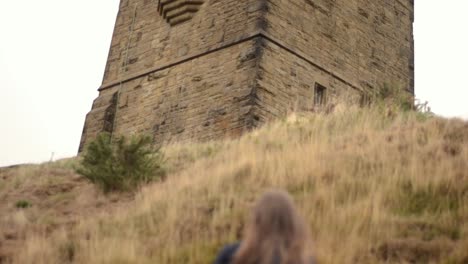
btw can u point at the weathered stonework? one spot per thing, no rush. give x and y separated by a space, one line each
206 69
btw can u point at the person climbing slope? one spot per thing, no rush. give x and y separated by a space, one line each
274 234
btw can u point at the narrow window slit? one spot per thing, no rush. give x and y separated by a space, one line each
320 95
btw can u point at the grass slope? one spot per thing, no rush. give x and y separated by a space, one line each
374 186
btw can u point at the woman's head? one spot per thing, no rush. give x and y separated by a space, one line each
275 231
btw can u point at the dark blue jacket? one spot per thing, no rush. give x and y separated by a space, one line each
227 253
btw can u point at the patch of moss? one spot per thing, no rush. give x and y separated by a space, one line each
427 231
433 198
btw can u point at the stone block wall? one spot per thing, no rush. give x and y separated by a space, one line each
176 81
201 99
144 41
206 69
286 83
365 42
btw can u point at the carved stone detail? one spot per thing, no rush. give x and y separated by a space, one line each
178 11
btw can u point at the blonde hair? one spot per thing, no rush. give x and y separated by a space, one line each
275 231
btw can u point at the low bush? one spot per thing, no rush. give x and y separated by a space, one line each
22 204
119 164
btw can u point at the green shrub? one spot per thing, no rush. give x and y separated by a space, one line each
389 97
398 97
22 204
120 164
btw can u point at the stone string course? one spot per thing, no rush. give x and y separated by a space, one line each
233 65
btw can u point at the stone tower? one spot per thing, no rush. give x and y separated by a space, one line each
205 69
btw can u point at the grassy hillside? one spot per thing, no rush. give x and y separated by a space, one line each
374 186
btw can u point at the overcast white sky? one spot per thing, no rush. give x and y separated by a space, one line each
53 54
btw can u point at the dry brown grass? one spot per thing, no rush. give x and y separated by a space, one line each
375 187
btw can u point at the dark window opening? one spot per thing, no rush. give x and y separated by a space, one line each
365 99
320 94
109 114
